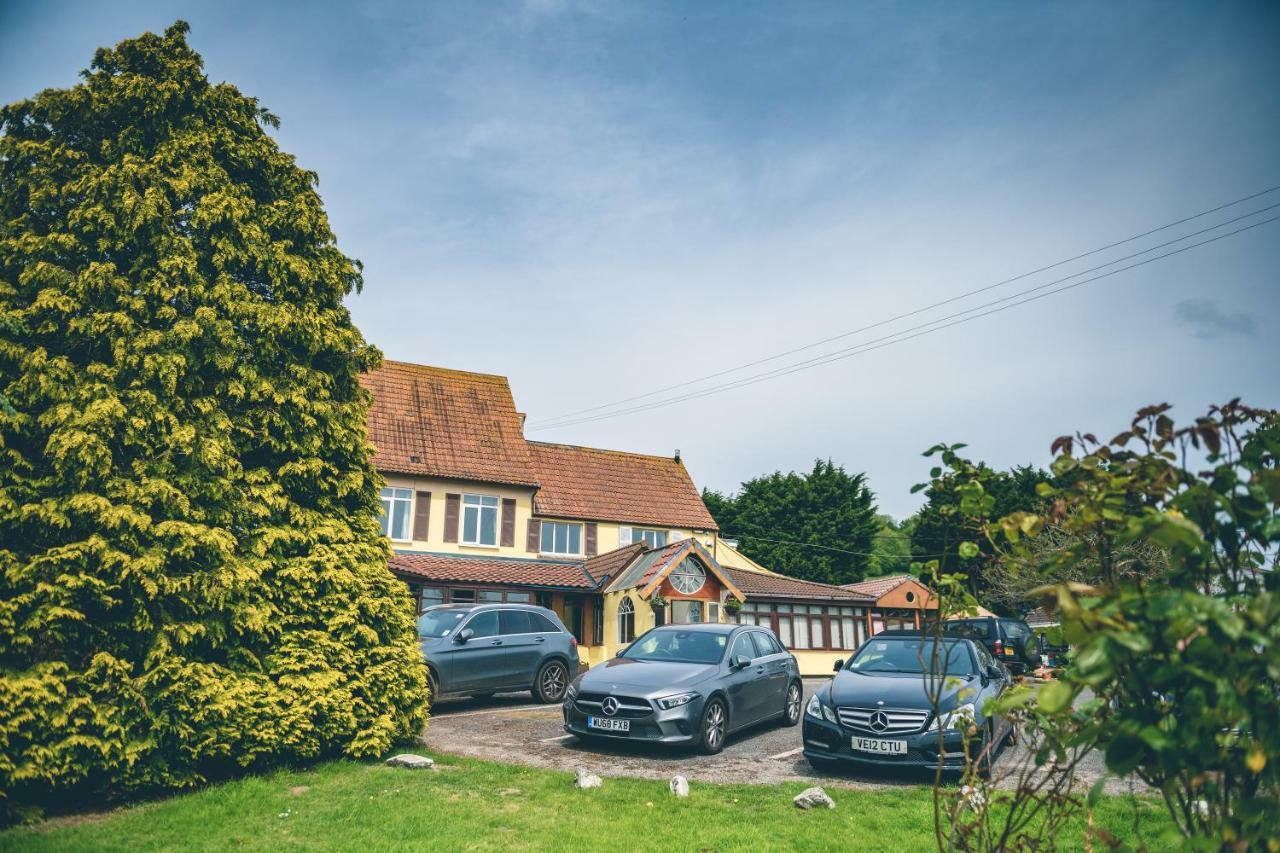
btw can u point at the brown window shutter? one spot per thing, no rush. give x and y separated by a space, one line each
590 539
452 505
421 516
508 522
534 543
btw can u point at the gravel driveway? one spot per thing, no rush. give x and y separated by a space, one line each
511 728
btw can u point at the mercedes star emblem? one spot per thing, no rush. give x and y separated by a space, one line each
609 706
879 721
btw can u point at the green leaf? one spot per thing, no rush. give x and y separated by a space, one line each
1055 696
1124 754
1095 793
968 550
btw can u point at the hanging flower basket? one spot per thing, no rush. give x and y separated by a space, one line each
732 606
657 601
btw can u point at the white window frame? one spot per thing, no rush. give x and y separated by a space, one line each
549 548
480 507
389 502
638 535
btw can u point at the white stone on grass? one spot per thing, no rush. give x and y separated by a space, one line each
680 786
812 798
586 779
411 761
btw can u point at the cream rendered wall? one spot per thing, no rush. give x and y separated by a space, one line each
609 535
435 534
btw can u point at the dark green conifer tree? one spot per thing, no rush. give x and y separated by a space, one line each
192 579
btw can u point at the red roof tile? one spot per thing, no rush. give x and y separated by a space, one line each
608 564
458 425
876 587
760 585
446 567
612 485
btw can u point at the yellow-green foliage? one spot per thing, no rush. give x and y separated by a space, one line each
192 579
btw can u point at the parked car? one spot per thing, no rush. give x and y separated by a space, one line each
687 684
878 709
479 649
1011 641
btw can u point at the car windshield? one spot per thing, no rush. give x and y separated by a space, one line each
678 646
907 655
439 623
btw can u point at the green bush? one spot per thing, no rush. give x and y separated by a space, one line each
193 579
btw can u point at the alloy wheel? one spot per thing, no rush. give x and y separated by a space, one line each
713 731
793 703
553 682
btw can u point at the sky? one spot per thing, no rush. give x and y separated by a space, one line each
599 200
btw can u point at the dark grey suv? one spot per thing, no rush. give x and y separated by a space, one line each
480 649
689 684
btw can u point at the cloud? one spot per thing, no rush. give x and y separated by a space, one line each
1207 320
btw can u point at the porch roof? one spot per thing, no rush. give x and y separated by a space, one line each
500 571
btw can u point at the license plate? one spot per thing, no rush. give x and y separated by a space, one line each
885 747
608 724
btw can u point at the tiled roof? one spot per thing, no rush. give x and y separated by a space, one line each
760 585
606 565
611 485
640 572
876 587
447 567
457 425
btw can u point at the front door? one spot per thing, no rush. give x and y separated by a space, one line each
746 686
478 665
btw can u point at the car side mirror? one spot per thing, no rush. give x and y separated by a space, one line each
839 665
994 671
463 635
740 662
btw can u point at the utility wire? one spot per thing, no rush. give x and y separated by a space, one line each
912 313
829 548
929 327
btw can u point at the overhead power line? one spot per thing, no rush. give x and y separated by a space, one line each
935 325
553 421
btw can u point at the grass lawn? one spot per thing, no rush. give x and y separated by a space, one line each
480 805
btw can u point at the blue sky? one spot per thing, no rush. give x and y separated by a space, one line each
601 199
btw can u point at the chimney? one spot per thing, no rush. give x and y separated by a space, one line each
677 454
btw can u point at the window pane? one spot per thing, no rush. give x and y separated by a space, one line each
487 501
400 520
385 518
514 622
490 595
575 538
802 633
784 630
470 524
484 624
660 538
431 595
488 526
713 612
462 596
518 597
540 624
837 638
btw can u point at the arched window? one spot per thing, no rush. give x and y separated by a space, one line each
626 621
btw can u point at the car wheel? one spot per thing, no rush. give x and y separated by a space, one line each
791 711
433 690
552 681
714 727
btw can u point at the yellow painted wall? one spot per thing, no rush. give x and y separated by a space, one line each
438 489
726 555
816 663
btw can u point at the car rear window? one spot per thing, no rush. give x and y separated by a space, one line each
515 622
542 624
978 629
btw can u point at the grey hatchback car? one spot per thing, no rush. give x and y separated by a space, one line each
690 684
480 649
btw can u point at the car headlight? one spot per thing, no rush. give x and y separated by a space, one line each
666 703
817 709
955 718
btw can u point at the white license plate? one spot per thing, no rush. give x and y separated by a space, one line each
885 747
608 724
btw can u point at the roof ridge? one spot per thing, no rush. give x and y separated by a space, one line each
604 450
436 369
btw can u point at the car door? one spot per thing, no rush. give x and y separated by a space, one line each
479 665
994 686
774 660
523 646
744 685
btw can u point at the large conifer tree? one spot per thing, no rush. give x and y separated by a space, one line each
193 579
